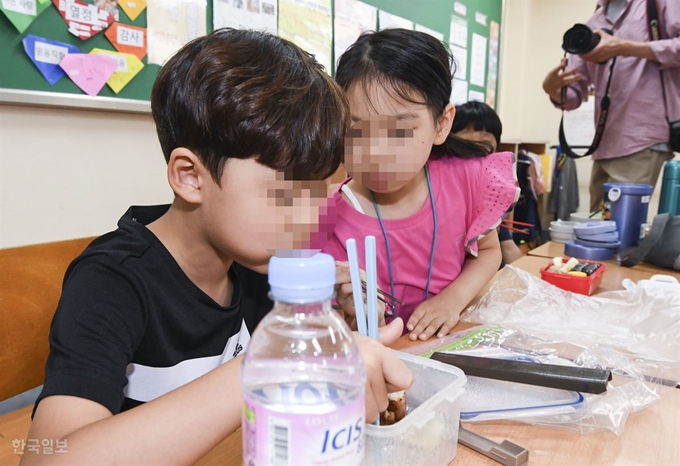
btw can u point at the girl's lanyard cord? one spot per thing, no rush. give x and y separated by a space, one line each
387 242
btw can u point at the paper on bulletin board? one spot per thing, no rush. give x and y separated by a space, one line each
480 18
84 20
352 18
132 8
475 96
459 92
492 78
259 15
460 57
89 71
128 39
21 13
108 5
308 24
579 124
24 7
478 61
460 8
171 24
46 54
388 21
458 32
128 67
432 32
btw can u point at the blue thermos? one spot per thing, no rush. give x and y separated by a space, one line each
628 204
669 202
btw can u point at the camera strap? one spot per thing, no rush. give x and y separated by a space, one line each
605 103
655 34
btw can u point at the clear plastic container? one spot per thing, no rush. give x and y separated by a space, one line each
486 399
428 435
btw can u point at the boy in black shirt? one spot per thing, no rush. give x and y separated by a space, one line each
154 315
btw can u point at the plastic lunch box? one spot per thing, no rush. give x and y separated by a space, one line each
487 399
581 285
428 435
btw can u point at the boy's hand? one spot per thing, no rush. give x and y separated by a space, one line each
345 297
430 316
385 373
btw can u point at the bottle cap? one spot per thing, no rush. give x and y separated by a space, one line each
302 280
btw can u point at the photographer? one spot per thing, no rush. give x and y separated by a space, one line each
635 143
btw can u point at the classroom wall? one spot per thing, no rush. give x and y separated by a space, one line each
531 44
72 173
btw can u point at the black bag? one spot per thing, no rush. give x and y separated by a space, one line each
655 29
660 248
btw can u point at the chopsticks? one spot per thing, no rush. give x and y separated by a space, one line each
515 222
508 225
514 229
369 328
384 296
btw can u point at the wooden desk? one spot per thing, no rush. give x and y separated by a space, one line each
650 438
613 275
549 249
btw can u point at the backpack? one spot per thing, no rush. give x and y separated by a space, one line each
660 248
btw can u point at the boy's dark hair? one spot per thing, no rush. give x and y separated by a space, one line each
242 94
416 67
478 116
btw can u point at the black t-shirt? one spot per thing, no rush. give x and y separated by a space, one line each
130 325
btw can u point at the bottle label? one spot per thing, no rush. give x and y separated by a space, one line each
285 438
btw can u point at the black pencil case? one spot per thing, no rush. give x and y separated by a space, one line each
580 379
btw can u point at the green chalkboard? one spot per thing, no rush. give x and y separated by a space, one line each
17 72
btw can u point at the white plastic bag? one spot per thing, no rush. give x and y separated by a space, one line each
643 321
635 334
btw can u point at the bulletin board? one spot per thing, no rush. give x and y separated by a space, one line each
21 82
474 40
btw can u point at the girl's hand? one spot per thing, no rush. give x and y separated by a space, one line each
433 315
385 372
345 297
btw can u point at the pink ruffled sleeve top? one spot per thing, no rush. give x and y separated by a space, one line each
471 196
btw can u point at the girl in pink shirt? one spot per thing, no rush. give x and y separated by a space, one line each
431 200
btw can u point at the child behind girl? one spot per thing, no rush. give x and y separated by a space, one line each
476 121
431 199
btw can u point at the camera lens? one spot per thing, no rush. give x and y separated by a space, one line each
579 39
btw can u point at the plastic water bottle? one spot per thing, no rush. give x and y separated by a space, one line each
303 377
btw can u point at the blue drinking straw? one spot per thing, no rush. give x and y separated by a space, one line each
357 292
371 287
